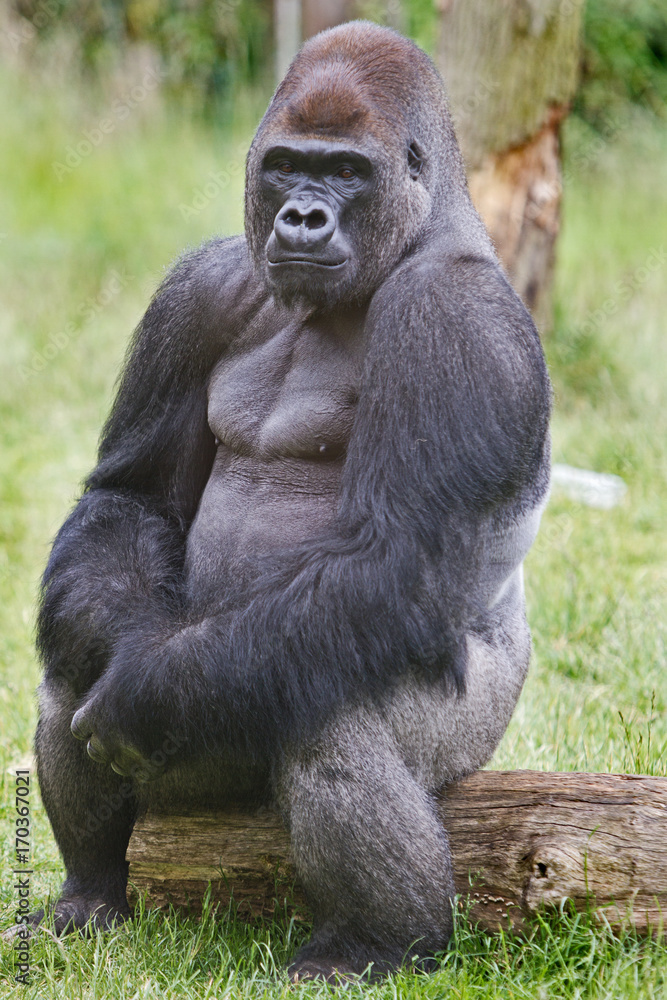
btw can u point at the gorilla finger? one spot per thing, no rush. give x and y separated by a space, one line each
136 772
80 727
126 769
131 763
96 751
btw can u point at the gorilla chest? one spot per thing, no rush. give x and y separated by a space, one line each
292 396
282 411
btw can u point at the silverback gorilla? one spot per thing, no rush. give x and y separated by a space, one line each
295 574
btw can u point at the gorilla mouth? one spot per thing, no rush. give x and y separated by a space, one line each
331 264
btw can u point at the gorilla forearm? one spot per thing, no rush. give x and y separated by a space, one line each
112 560
309 642
120 553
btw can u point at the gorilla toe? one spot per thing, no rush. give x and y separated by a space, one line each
82 913
331 970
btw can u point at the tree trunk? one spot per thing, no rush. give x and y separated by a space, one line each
511 69
520 840
287 32
321 14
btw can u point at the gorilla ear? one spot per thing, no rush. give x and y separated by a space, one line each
415 160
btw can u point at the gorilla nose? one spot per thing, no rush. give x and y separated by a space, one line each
306 229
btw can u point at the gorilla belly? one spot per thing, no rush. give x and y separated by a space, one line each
253 507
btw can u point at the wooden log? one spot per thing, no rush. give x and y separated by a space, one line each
520 840
529 839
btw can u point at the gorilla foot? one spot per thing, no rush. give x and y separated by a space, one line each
336 971
86 914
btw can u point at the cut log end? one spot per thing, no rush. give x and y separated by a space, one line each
521 841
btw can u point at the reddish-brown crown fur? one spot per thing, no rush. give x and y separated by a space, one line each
346 80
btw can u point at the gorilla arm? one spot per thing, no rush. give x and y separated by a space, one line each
451 423
119 554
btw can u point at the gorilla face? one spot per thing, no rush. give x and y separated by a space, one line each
316 194
315 187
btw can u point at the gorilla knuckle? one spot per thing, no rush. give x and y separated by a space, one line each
80 726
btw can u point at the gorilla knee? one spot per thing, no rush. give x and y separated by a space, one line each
370 852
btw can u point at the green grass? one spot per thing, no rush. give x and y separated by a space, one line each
79 258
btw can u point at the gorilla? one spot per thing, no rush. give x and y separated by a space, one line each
295 574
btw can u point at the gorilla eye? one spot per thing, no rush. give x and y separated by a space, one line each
286 167
346 173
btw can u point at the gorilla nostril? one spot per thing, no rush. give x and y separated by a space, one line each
315 220
305 226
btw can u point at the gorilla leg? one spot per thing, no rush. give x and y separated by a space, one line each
369 851
91 810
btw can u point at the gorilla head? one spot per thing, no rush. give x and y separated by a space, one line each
354 162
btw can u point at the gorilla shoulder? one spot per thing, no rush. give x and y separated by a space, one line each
212 290
465 299
485 390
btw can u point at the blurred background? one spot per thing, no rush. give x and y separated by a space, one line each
125 129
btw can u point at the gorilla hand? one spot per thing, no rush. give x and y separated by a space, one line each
99 721
106 742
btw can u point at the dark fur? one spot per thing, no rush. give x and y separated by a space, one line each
450 431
